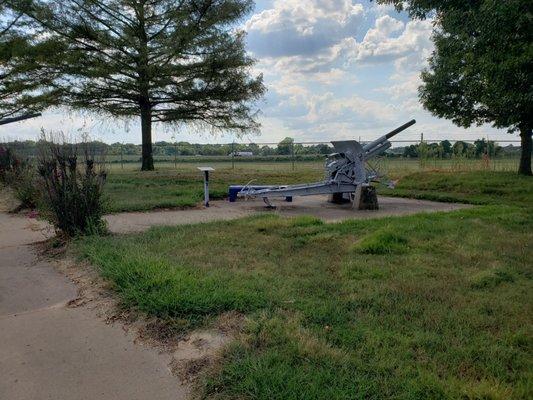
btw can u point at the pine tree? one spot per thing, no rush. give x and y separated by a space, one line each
170 61
24 82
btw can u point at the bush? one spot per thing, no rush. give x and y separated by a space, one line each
23 181
20 176
8 163
72 198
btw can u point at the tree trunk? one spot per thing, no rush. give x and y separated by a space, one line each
146 128
525 155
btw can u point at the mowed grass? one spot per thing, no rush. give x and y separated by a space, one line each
430 306
133 190
474 187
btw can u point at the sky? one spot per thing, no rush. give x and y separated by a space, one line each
334 69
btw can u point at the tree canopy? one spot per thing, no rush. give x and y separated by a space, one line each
24 82
176 62
482 68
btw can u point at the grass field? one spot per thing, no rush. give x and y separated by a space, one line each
430 306
506 163
129 189
132 190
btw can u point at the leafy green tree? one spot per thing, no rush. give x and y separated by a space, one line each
446 148
482 68
267 151
410 151
175 62
323 149
486 147
285 146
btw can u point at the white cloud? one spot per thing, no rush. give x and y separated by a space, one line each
317 36
293 27
330 107
405 85
304 109
385 43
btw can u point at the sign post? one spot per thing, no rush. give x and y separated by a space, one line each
206 171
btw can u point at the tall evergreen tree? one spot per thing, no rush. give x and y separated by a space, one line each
170 61
482 68
22 76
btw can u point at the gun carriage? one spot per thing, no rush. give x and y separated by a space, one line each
346 170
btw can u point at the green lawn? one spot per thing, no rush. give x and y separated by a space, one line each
132 190
129 189
475 187
430 306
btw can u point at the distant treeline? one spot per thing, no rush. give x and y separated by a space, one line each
445 149
287 147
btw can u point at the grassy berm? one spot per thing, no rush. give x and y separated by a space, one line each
431 306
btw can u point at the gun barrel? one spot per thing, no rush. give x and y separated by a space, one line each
399 129
377 150
372 147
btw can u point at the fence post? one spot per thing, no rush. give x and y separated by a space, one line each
292 154
122 156
175 156
421 162
233 155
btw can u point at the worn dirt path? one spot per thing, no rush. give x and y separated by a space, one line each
49 350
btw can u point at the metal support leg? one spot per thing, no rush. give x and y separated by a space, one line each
357 197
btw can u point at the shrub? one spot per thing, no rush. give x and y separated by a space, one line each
72 198
20 176
8 163
23 180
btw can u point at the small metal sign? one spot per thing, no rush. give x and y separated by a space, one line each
206 171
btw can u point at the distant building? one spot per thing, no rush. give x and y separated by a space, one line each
242 154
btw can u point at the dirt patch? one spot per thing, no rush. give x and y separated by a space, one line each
189 370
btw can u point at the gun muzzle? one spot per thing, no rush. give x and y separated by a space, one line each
400 128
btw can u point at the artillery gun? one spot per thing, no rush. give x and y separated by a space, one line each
347 171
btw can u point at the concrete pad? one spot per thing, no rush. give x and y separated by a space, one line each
317 206
66 353
16 230
51 351
28 284
129 222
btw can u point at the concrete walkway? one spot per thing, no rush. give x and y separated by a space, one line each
51 351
